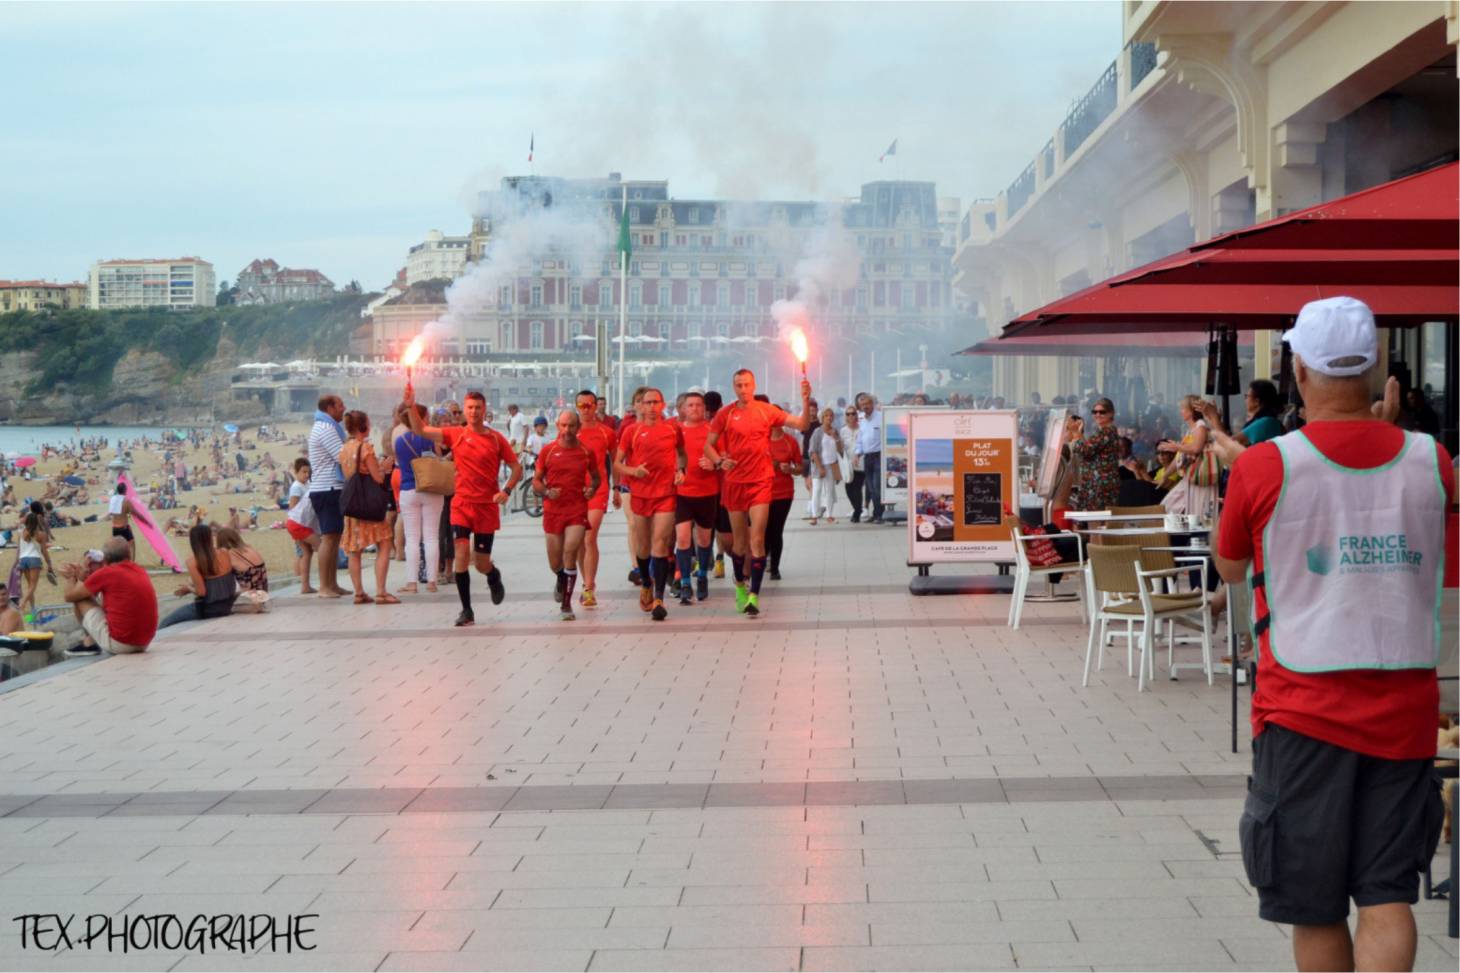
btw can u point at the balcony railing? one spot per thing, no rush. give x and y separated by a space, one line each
1046 159
1142 62
1090 111
1020 190
965 226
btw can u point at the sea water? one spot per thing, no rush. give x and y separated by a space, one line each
27 440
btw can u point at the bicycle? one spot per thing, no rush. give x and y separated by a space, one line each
523 498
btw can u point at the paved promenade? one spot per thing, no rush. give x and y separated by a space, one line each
858 779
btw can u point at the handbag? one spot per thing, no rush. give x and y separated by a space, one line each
1206 470
1041 552
433 474
1178 498
363 498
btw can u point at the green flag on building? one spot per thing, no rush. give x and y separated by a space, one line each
625 245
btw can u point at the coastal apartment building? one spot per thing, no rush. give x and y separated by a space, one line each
704 272
438 257
32 295
1215 116
265 282
182 283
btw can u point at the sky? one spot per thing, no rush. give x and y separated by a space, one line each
335 135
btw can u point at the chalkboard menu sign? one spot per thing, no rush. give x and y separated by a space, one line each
983 499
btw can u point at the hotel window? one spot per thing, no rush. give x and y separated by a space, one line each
664 297
722 295
723 328
694 293
537 295
635 297
681 240
575 295
664 330
575 329
605 294
636 328
536 335
707 241
634 211
664 238
694 214
505 298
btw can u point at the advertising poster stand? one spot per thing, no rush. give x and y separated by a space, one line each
963 482
895 458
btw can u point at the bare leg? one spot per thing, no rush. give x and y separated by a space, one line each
1323 947
1386 937
555 552
588 558
329 582
355 570
304 562
30 581
660 531
573 540
382 567
759 516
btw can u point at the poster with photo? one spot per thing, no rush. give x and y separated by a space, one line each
895 454
963 483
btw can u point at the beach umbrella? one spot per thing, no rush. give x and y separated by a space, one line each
25 461
230 427
73 481
118 464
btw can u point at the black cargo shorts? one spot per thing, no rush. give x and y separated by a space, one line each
1323 825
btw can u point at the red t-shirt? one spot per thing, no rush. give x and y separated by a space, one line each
654 445
128 599
479 458
744 435
599 440
1382 713
566 470
698 482
784 450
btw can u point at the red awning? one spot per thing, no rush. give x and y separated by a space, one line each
1407 269
1169 344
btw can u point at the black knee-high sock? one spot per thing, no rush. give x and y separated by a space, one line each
570 582
463 589
684 557
706 555
739 563
659 567
646 579
757 572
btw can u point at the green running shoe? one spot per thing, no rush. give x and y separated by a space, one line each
752 605
742 598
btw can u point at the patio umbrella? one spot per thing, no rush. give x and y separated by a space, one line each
25 461
1174 344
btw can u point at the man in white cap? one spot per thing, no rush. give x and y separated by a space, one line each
1342 526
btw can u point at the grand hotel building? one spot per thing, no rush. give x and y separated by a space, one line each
704 272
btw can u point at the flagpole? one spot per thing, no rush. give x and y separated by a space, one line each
623 308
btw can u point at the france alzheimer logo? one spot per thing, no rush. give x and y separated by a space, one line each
1365 554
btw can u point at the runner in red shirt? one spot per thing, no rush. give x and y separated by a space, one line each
651 455
786 457
479 452
739 444
598 437
697 503
620 489
567 478
1342 804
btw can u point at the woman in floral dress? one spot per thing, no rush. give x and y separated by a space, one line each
358 454
1099 455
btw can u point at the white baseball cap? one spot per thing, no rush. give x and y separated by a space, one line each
1335 336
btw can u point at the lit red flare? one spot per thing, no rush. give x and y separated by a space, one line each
799 348
413 351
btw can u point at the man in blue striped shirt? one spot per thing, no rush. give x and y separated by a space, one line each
325 439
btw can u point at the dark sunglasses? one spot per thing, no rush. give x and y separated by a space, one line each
1100 412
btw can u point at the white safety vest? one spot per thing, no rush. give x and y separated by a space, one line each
1353 560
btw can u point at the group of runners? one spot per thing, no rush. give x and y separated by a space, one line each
708 472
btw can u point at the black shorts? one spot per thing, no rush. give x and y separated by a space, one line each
326 506
1323 824
722 518
701 510
124 532
483 543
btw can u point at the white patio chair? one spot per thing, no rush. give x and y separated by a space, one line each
1025 570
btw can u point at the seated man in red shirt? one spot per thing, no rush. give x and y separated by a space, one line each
124 619
1342 525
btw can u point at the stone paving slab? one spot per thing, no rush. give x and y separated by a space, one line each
859 779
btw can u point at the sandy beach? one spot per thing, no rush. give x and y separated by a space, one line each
270 538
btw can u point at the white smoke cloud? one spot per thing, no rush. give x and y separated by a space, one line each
830 262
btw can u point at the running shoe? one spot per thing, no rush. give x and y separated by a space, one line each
742 597
588 599
494 582
634 578
775 574
702 587
752 605
660 613
686 594
646 599
465 618
719 567
567 615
